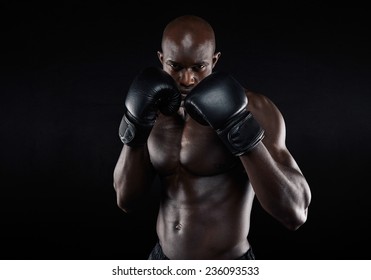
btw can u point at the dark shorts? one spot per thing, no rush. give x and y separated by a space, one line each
158 254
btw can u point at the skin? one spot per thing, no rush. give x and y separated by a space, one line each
207 193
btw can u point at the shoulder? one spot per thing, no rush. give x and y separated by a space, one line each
259 103
267 115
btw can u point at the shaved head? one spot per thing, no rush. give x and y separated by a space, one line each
188 50
188 32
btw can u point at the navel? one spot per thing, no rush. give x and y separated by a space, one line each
178 226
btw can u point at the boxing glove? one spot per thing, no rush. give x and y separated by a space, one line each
220 102
152 90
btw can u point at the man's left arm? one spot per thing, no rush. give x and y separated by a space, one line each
253 129
276 178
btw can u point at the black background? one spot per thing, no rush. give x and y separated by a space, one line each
65 68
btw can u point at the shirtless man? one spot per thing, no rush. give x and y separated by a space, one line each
213 144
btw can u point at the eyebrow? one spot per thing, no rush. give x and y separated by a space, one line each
197 63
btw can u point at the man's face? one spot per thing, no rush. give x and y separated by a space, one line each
188 62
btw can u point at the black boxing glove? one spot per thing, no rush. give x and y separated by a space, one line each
220 101
152 89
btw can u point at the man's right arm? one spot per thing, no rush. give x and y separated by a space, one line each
152 90
132 176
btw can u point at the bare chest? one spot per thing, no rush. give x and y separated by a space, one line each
183 143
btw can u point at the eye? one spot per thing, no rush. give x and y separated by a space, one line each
198 68
175 67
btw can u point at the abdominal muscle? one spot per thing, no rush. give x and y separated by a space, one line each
206 196
205 217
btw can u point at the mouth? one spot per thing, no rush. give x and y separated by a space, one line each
184 92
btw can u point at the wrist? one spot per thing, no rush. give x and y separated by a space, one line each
134 133
241 135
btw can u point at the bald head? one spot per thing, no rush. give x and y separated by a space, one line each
189 32
188 50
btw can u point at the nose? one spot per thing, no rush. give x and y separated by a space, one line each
187 78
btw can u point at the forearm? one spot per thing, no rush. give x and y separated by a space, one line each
133 176
280 187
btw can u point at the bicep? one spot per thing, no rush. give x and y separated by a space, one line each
270 118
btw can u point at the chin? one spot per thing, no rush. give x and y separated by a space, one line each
184 95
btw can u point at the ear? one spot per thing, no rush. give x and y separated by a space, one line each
216 58
160 57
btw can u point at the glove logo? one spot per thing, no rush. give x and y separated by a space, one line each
128 134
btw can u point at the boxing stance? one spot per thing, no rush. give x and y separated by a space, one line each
214 145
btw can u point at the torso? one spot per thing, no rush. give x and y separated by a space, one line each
206 197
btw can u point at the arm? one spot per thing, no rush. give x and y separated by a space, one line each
152 90
256 133
132 177
277 180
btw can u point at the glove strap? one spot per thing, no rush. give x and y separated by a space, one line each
132 133
242 135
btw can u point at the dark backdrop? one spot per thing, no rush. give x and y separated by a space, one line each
65 68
